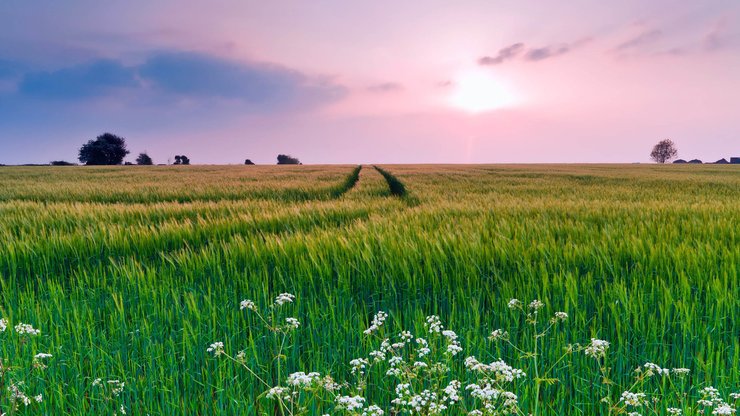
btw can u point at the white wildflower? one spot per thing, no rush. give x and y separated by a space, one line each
423 348
498 334
505 372
217 348
284 298
433 324
350 403
329 384
26 329
453 348
597 348
681 371
536 305
116 386
632 399
247 304
560 317
3 325
653 369
724 409
378 321
303 380
373 410
398 345
514 303
358 365
452 393
385 346
16 395
279 393
377 356
38 360
292 323
395 360
472 363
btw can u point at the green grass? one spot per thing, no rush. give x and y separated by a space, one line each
131 272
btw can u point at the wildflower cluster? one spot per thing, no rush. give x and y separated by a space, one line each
711 400
424 370
108 393
20 374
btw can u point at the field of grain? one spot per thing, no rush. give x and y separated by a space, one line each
132 273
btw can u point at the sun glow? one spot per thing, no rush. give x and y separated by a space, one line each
478 91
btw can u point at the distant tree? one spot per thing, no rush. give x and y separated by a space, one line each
61 163
182 160
144 159
287 160
664 151
248 162
106 149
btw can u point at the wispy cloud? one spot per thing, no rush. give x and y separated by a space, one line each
532 54
539 54
718 36
504 54
643 38
386 87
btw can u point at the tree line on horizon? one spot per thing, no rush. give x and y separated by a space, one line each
666 150
109 149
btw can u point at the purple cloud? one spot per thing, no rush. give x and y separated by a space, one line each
531 54
643 38
539 54
504 54
386 87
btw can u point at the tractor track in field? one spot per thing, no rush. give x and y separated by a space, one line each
395 186
349 182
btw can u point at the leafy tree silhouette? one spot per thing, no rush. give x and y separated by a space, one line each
106 149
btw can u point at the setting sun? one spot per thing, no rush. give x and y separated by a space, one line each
478 91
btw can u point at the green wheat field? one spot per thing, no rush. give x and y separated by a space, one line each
131 273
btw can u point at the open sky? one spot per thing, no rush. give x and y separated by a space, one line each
336 81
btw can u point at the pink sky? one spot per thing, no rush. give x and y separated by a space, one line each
381 81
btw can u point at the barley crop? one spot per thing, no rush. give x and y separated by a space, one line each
130 275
